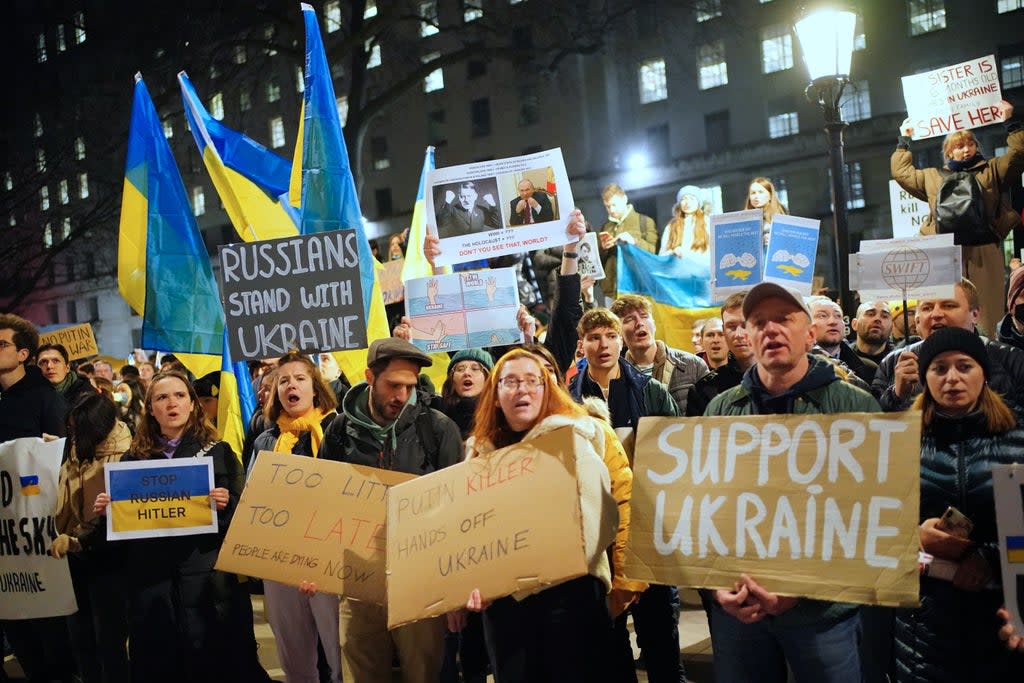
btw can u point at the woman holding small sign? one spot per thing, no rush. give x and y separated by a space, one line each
301 408
563 632
966 429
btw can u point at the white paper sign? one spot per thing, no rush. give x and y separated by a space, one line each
1008 488
737 252
957 97
908 212
919 268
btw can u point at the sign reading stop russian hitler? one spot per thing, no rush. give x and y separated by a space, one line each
819 506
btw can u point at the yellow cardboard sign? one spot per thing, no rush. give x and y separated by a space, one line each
77 339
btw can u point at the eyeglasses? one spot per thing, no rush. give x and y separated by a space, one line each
531 382
4 344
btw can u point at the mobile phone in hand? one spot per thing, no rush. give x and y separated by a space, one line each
955 523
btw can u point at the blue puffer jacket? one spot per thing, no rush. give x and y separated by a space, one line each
952 636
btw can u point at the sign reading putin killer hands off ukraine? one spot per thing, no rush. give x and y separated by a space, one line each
819 506
505 523
302 292
307 519
957 97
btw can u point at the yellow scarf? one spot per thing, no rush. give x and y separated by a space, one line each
292 427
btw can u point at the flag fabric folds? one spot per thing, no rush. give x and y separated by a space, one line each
251 180
416 264
236 402
680 289
163 268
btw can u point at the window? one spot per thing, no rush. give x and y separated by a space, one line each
480 117
239 54
37 125
776 49
860 39
65 228
217 106
781 191
712 70
708 9
244 100
471 11
168 129
268 35
62 192
12 221
337 70
214 71
71 305
475 68
83 185
856 106
374 60
371 9
300 80
653 81
8 181
1011 69
41 48
277 132
854 186
658 143
273 90
379 152
435 128
44 198
529 105
41 161
435 79
1004 6
926 16
79 148
382 196
332 11
48 235
94 308
62 43
716 130
428 18
90 264
781 125
341 103
198 201
54 313
79 28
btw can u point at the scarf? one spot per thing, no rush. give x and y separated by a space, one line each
292 427
965 164
168 446
65 383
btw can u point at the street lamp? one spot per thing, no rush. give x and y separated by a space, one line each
826 39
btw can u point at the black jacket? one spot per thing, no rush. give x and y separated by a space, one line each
711 385
31 407
1007 333
631 395
862 367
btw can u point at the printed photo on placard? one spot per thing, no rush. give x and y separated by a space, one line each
590 258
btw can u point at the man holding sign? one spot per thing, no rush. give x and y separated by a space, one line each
755 633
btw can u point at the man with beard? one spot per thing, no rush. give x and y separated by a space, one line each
873 327
386 423
830 335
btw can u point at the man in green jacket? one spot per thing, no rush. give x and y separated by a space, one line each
756 633
624 225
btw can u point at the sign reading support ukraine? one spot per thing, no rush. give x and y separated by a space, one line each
735 252
154 498
792 247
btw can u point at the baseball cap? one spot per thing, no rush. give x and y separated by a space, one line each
390 348
767 290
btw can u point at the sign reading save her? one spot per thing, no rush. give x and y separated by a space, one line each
820 506
153 498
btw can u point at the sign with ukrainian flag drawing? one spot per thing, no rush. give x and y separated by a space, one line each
736 252
154 498
33 584
1008 489
792 247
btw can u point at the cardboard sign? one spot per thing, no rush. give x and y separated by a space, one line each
916 268
792 249
736 252
302 292
32 584
506 522
463 310
391 286
820 506
307 519
1008 489
957 97
155 498
908 212
77 339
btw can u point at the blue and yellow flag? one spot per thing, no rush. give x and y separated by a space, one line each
30 485
160 498
236 401
679 288
416 263
163 269
252 181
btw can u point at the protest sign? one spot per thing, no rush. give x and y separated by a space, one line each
155 498
391 286
792 249
298 292
463 310
1008 489
32 584
590 259
308 519
819 506
736 259
908 212
916 268
505 523
77 339
957 97
504 206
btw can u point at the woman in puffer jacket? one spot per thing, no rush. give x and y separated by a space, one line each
966 429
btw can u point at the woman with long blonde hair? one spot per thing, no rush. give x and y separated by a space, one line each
687 233
761 195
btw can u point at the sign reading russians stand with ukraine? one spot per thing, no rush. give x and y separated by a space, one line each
153 498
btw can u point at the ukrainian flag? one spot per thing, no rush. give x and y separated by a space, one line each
1015 549
182 504
416 263
236 402
163 269
30 485
680 289
251 180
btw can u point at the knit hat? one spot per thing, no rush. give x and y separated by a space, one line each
951 339
896 307
691 190
208 386
1016 287
481 356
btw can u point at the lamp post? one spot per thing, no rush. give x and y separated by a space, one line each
826 39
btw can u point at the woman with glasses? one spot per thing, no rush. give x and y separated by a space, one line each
562 632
